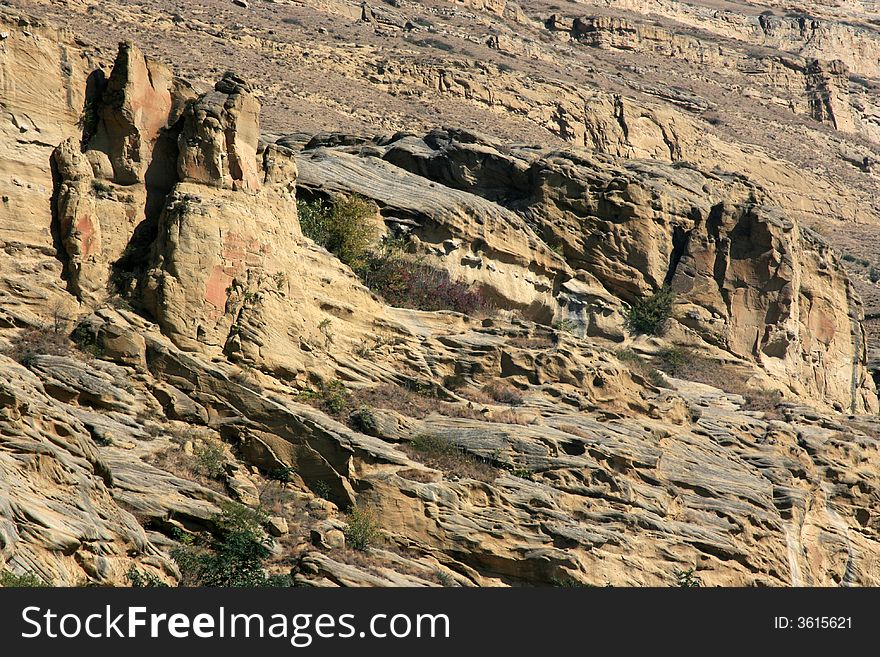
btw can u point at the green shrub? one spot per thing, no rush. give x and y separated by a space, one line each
322 489
10 580
675 359
687 579
566 326
143 579
650 315
334 397
330 396
211 458
86 340
567 582
234 556
283 474
362 531
343 227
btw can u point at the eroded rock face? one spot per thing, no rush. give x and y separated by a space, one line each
828 94
600 469
135 106
113 180
59 518
749 278
43 80
150 130
218 141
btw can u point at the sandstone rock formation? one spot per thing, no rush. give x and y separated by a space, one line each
163 236
749 278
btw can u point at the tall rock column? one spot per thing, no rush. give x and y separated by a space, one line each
218 142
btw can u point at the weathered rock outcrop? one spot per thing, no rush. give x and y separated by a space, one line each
43 79
111 187
815 87
749 278
218 140
570 458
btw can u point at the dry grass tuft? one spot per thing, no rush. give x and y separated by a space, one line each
438 453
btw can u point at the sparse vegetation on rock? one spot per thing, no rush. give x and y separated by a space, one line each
463 315
9 580
343 227
362 529
29 344
234 556
438 452
650 315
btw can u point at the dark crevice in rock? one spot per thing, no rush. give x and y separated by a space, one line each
55 227
680 240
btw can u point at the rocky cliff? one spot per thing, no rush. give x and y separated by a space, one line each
161 303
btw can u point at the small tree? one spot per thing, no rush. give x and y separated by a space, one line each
234 557
363 529
343 227
650 315
687 579
211 458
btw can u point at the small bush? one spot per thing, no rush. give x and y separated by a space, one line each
364 420
143 579
410 283
329 336
675 360
363 529
87 341
503 393
322 489
566 326
26 346
330 396
280 280
211 458
10 580
283 475
650 315
343 227
234 557
687 579
334 397
567 582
